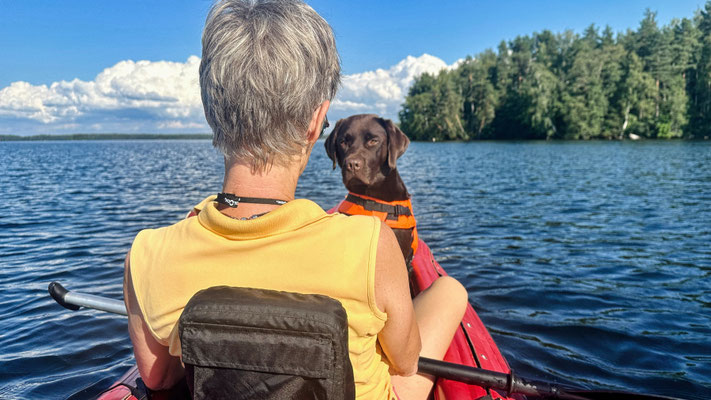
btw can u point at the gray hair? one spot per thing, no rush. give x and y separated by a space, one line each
266 66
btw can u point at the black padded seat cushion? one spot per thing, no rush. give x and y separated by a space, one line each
245 343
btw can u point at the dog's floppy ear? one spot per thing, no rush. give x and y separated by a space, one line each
331 143
397 141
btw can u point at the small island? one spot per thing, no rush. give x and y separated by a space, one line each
651 83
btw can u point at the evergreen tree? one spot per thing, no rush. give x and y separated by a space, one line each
584 101
546 49
432 110
685 49
674 102
701 113
504 69
613 55
477 82
646 42
637 93
448 109
542 93
417 113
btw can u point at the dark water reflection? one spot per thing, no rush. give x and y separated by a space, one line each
589 262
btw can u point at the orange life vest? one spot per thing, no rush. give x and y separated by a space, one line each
396 214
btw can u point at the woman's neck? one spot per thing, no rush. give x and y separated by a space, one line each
277 182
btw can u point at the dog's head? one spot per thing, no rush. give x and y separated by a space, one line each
366 147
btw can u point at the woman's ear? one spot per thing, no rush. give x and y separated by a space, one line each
316 124
331 143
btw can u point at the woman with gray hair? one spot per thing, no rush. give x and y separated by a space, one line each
269 71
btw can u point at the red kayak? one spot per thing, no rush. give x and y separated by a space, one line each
472 345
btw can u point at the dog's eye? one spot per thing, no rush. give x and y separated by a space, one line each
373 141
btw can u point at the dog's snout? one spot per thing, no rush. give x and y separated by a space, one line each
353 165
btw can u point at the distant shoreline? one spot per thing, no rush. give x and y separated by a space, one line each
208 136
107 136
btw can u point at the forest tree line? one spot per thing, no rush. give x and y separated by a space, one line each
654 82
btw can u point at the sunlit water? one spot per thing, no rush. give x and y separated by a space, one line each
589 262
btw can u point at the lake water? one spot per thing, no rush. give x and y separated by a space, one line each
589 262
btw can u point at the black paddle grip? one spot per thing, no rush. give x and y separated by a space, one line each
58 292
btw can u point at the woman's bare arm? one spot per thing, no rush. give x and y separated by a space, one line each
157 367
400 338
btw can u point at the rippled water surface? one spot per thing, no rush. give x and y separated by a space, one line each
589 262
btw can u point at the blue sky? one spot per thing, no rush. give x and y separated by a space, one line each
47 41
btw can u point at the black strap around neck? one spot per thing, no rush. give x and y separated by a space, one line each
231 200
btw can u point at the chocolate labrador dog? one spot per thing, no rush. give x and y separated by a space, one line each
366 148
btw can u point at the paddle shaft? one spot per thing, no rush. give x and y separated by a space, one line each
74 301
508 383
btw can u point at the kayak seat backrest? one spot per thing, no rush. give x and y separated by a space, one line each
245 343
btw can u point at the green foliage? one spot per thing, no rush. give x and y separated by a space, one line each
433 109
653 82
700 124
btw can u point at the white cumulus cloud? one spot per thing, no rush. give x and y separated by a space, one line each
143 96
162 96
382 91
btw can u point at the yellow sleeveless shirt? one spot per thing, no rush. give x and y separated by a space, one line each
296 248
